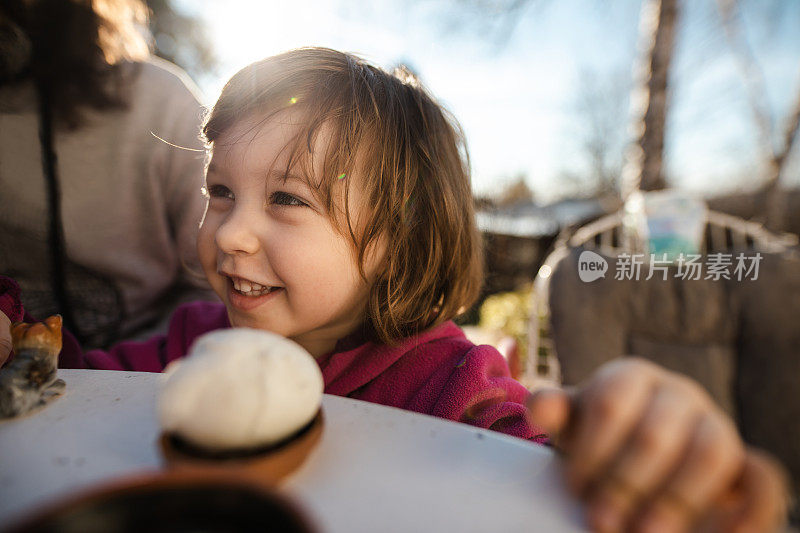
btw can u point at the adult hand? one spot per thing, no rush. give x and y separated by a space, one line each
5 338
648 450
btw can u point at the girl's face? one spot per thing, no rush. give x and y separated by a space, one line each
269 249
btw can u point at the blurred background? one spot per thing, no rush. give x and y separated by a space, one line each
542 88
538 85
543 91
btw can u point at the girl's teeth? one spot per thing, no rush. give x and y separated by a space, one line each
250 288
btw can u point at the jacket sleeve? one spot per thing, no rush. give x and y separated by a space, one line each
149 356
71 355
153 355
482 393
10 302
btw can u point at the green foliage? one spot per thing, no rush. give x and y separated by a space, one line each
510 313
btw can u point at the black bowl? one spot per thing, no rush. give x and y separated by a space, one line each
175 503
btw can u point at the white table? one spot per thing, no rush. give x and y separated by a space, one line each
376 468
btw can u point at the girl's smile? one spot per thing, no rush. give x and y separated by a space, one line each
246 296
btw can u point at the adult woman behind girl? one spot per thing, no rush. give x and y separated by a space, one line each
97 216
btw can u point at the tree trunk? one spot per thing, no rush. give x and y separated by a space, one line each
644 160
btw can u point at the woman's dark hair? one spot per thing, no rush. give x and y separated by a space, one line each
78 51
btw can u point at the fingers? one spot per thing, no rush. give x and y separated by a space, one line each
549 409
759 500
713 458
655 446
650 451
5 338
606 413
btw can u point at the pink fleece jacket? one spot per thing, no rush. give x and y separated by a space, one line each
439 372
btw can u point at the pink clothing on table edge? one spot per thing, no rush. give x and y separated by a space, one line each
438 372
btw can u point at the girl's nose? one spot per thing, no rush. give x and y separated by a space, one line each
236 234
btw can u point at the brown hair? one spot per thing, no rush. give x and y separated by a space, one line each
410 158
78 50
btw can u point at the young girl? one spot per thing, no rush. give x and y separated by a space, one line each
340 215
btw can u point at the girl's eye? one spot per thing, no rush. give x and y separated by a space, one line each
283 198
217 191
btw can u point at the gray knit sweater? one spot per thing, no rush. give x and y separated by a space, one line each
130 207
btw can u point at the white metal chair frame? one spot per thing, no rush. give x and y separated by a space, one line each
724 233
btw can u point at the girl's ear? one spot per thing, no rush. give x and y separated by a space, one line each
375 257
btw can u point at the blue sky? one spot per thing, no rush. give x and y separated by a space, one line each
515 92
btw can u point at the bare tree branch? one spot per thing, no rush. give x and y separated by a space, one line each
754 80
789 133
776 200
599 112
751 72
497 19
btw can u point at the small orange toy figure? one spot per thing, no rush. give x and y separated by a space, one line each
29 380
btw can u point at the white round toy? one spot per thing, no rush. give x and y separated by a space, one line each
240 388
